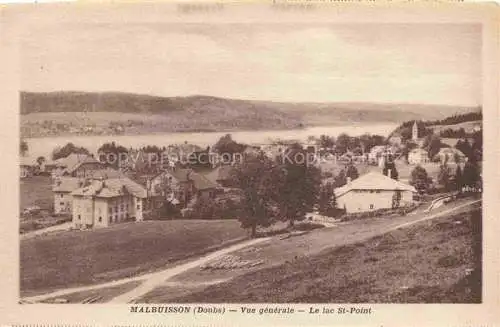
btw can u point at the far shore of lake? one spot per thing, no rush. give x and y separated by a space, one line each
44 146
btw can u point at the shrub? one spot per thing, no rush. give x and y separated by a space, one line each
209 209
380 212
308 226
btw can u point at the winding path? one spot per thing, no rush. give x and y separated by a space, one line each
150 281
153 280
51 229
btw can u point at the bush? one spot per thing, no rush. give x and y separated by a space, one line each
302 226
210 209
401 211
308 226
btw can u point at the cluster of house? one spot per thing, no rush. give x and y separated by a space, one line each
98 196
418 155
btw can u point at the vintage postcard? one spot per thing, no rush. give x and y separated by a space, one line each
281 163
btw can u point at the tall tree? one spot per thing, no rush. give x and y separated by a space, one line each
444 178
299 188
471 174
257 177
433 145
68 149
477 146
368 141
112 154
390 167
326 142
419 179
459 179
340 179
40 160
327 204
342 144
227 146
352 172
465 147
396 199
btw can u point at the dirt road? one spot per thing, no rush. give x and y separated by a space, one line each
55 228
153 280
150 280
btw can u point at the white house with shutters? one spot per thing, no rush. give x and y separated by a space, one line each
418 156
372 191
100 203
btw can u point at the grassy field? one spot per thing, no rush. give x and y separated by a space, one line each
431 262
467 126
74 258
36 190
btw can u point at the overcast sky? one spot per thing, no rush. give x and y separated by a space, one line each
438 64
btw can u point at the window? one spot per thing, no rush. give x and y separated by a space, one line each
61 203
79 217
110 219
138 207
371 206
100 219
62 196
110 209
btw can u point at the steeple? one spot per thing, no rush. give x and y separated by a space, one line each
414 131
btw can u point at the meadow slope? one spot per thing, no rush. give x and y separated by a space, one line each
431 262
75 258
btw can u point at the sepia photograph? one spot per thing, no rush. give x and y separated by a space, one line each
172 162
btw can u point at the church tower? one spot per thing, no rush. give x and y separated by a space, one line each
414 131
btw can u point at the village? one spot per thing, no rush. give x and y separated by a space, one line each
119 184
176 202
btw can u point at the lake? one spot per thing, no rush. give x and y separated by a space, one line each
45 145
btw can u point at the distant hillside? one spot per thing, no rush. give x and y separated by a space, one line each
47 113
458 125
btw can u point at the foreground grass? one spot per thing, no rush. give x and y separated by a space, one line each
77 258
102 295
431 262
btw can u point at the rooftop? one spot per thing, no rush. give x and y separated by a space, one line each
66 184
112 187
373 181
